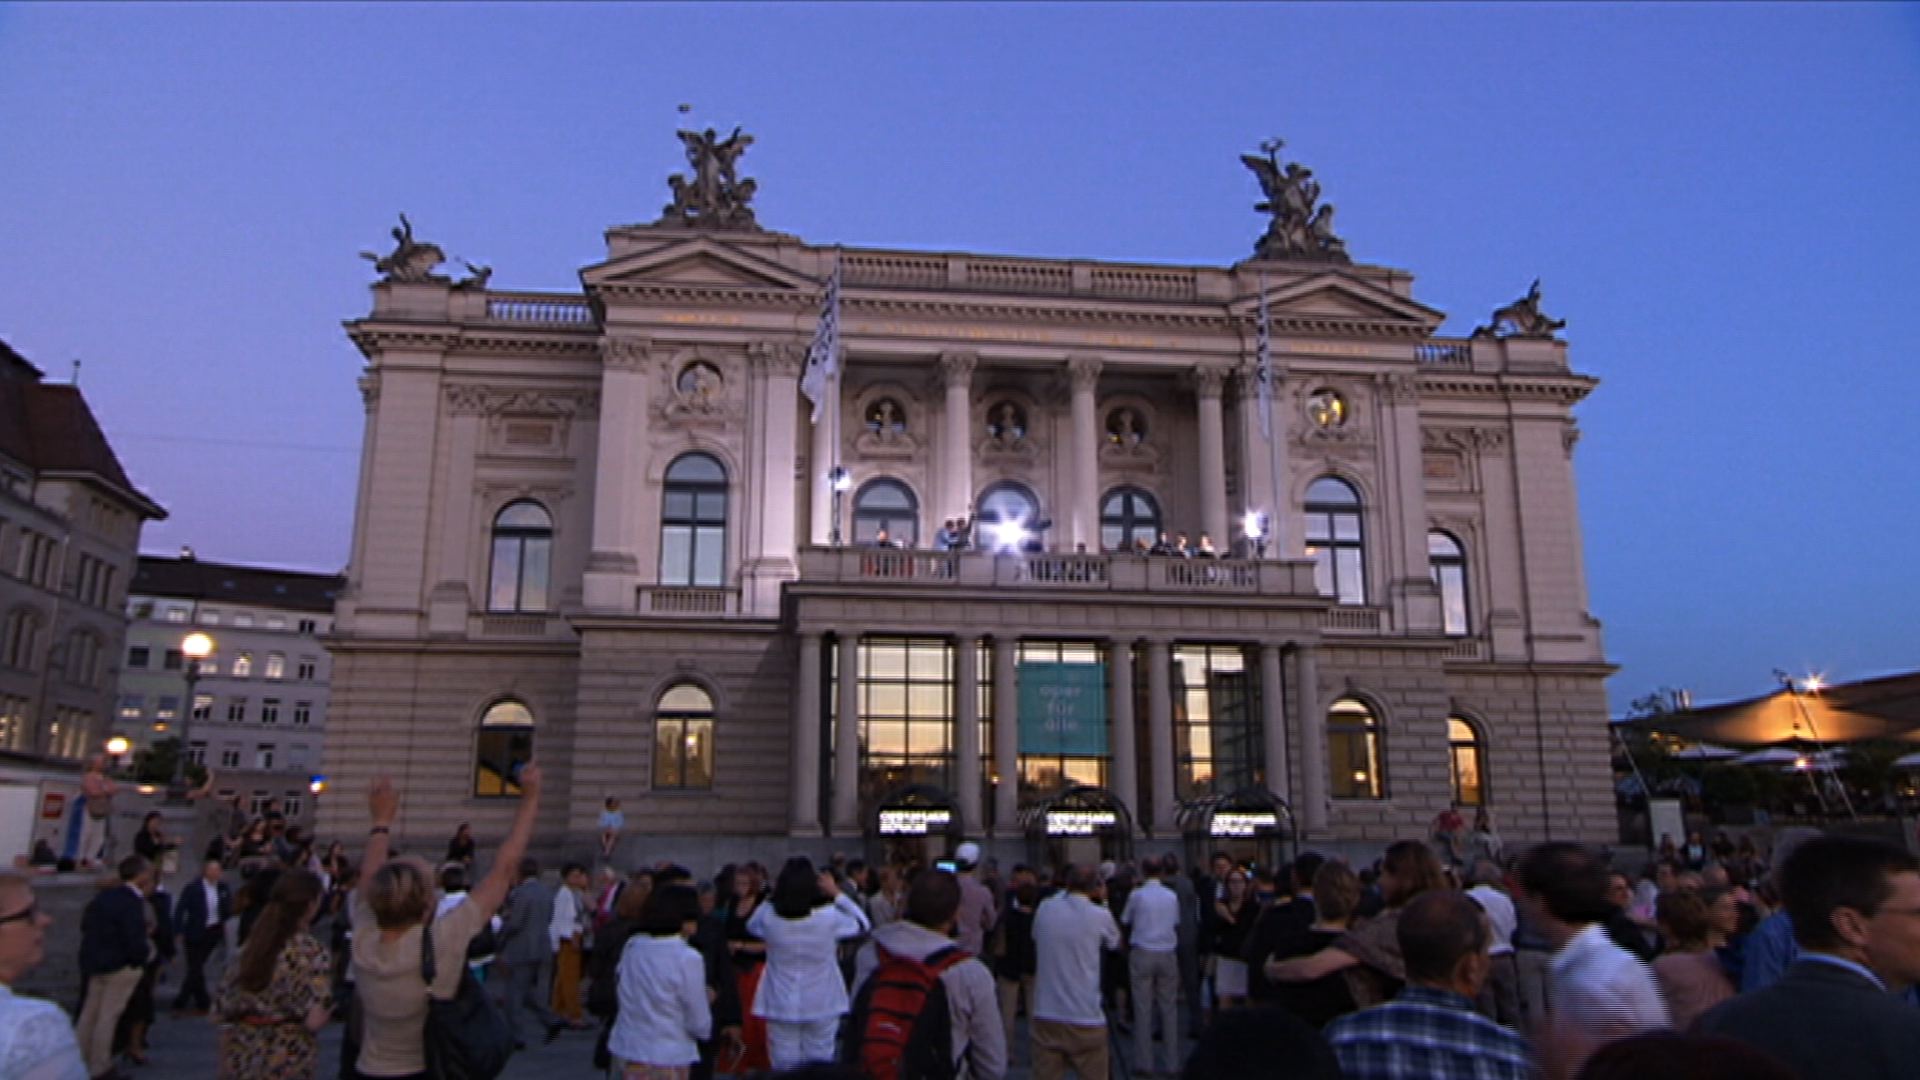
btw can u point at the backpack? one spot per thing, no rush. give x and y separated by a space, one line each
902 1028
465 1037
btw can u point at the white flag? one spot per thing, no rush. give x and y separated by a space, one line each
1263 365
823 359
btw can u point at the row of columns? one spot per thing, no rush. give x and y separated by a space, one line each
1309 803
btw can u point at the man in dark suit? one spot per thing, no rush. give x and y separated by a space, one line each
525 950
201 919
1280 923
1855 906
114 949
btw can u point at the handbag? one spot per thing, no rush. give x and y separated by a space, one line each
465 1036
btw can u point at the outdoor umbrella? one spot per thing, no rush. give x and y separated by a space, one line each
1871 709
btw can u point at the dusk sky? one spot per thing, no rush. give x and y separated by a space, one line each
1722 201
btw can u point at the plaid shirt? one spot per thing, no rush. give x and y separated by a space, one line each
1427 1034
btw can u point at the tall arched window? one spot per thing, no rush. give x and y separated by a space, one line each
1447 561
1127 515
1335 542
683 738
1466 763
693 522
890 505
522 558
1001 504
504 746
1353 750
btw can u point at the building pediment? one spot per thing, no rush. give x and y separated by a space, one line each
1335 303
698 264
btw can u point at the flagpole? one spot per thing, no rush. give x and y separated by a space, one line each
1275 465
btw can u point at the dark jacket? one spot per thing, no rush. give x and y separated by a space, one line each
161 901
523 924
113 931
190 912
1824 1021
1275 925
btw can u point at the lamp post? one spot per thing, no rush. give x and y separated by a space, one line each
1813 685
196 647
117 748
840 480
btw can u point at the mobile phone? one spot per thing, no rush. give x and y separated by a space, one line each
948 865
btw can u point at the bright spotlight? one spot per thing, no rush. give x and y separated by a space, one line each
1813 684
1009 534
1254 524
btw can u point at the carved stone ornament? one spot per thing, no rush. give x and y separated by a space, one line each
1333 423
777 357
699 395
626 353
712 196
466 399
410 260
956 368
370 389
1399 387
1471 440
1208 380
1570 437
1301 228
1009 438
1521 319
884 430
477 277
1125 444
1083 373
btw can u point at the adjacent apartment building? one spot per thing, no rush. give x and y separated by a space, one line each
70 525
610 529
258 715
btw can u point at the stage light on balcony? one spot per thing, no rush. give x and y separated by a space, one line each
1008 534
1254 524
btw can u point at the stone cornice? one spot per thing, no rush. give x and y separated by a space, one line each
778 356
1558 389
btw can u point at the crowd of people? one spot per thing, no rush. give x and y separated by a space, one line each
1441 959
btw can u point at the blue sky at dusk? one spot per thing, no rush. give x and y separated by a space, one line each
1720 199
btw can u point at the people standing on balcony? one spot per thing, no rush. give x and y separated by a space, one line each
883 539
1162 546
1181 549
1205 549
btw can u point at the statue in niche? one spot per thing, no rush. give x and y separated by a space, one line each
1007 426
411 260
1126 440
713 196
1300 228
884 420
1123 429
1521 319
699 387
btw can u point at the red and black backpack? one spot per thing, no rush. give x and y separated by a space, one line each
902 1028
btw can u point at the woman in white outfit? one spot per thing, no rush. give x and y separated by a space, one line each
663 991
802 995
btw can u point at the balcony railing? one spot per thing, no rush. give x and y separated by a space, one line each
539 310
513 626
1065 572
1466 648
1454 354
687 600
1354 620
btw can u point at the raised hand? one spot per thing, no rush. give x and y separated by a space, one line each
383 801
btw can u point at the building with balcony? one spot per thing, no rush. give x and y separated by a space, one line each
607 529
259 706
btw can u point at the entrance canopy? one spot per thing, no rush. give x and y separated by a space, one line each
1250 812
1886 708
1081 810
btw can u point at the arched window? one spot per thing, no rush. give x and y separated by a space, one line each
1127 515
505 744
693 522
890 505
1004 504
1353 750
1334 541
683 738
1466 763
1447 561
522 558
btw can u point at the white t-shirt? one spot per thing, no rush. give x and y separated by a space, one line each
1153 918
1069 931
1602 991
1500 916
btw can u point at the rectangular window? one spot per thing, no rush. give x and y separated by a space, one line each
306 670
203 706
276 665
302 713
197 752
1044 774
176 614
237 710
243 619
290 806
138 655
263 756
171 660
270 710
1216 737
906 715
210 616
243 665
132 706
276 622
230 758
168 709
308 626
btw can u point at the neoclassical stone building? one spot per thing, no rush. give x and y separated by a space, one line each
606 529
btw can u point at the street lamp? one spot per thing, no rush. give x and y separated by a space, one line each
840 480
1254 524
196 647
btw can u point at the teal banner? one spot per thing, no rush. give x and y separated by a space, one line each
1063 709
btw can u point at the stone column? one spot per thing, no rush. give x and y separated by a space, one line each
1125 774
956 444
620 469
454 595
966 730
1083 376
1207 383
1313 743
1006 735
1273 720
846 739
1160 734
819 460
778 364
805 815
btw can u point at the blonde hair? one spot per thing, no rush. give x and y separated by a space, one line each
400 894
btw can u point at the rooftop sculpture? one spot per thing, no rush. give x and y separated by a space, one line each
1302 226
713 196
410 260
1521 319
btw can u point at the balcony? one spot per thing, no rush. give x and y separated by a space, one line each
686 600
1056 572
